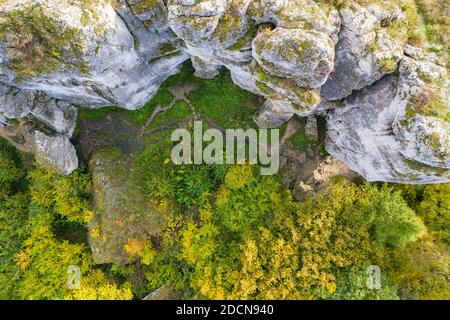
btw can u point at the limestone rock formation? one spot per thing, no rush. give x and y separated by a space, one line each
55 152
82 52
58 115
387 101
370 45
397 130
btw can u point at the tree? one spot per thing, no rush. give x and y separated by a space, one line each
33 261
435 207
422 268
67 195
11 171
255 242
351 284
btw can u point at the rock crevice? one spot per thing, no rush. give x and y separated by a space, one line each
387 101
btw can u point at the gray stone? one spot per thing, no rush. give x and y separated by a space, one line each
370 45
55 152
113 68
204 69
380 132
56 114
274 113
311 129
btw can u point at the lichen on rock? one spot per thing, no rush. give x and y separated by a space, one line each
306 56
122 210
356 61
370 45
383 132
79 51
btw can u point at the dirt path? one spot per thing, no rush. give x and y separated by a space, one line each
180 93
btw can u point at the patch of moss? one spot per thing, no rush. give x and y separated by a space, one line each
179 111
421 167
435 143
429 105
300 140
387 64
246 40
230 23
219 99
224 102
436 19
122 208
165 56
37 44
167 48
143 6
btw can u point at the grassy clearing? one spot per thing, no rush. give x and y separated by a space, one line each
219 99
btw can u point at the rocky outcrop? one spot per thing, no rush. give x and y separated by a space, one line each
58 115
370 45
282 50
388 100
37 111
123 211
83 52
397 130
54 152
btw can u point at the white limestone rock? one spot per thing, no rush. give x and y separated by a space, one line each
274 113
88 55
392 131
58 115
55 152
370 46
305 56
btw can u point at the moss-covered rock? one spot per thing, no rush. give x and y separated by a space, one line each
209 23
370 45
305 56
82 51
397 130
122 209
36 43
303 100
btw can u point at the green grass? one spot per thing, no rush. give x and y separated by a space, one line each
219 99
95 114
300 140
179 111
224 102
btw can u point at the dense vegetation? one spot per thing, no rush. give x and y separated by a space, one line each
232 234
229 233
34 205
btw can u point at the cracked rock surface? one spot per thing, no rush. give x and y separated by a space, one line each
387 102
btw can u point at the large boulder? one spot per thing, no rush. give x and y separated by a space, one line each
82 52
370 45
306 56
54 152
214 24
398 129
123 213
